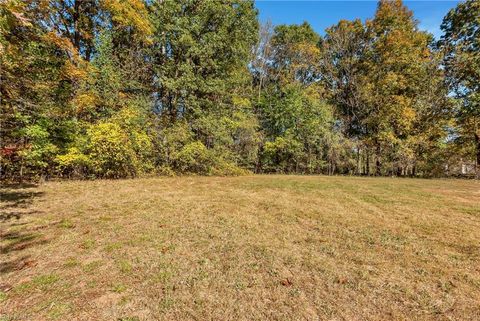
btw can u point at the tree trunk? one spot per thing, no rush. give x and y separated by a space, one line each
399 171
477 162
88 53
367 170
358 161
378 164
258 165
76 32
21 171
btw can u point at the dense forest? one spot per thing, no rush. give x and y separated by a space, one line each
111 88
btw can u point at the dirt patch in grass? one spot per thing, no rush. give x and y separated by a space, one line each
241 248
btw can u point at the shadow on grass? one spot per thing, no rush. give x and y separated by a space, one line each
14 201
16 264
5 185
16 242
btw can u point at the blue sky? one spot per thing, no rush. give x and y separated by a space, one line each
323 14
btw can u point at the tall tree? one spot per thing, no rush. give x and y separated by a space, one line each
46 47
343 73
398 66
261 54
33 94
79 21
114 88
201 52
297 122
342 58
461 44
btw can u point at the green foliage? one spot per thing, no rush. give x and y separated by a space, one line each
74 163
110 89
179 151
111 151
201 54
343 73
461 44
201 66
193 158
40 150
244 139
301 131
297 122
282 154
116 148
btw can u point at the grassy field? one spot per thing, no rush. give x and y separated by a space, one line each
241 248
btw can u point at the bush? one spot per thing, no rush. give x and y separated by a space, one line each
169 141
111 151
74 163
179 152
282 154
194 158
224 168
115 148
39 152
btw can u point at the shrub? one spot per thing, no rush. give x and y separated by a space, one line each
111 151
118 147
194 158
74 163
38 154
282 154
224 168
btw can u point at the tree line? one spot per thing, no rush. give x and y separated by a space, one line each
110 89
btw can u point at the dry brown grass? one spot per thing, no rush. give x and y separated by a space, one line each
241 248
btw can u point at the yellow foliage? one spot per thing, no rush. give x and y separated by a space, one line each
16 8
122 95
409 114
60 42
84 101
314 92
306 52
388 137
241 101
75 72
73 157
308 49
131 13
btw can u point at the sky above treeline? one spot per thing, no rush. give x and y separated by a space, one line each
323 14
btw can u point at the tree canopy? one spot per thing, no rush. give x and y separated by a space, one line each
106 88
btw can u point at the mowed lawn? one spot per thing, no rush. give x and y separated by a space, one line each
241 248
